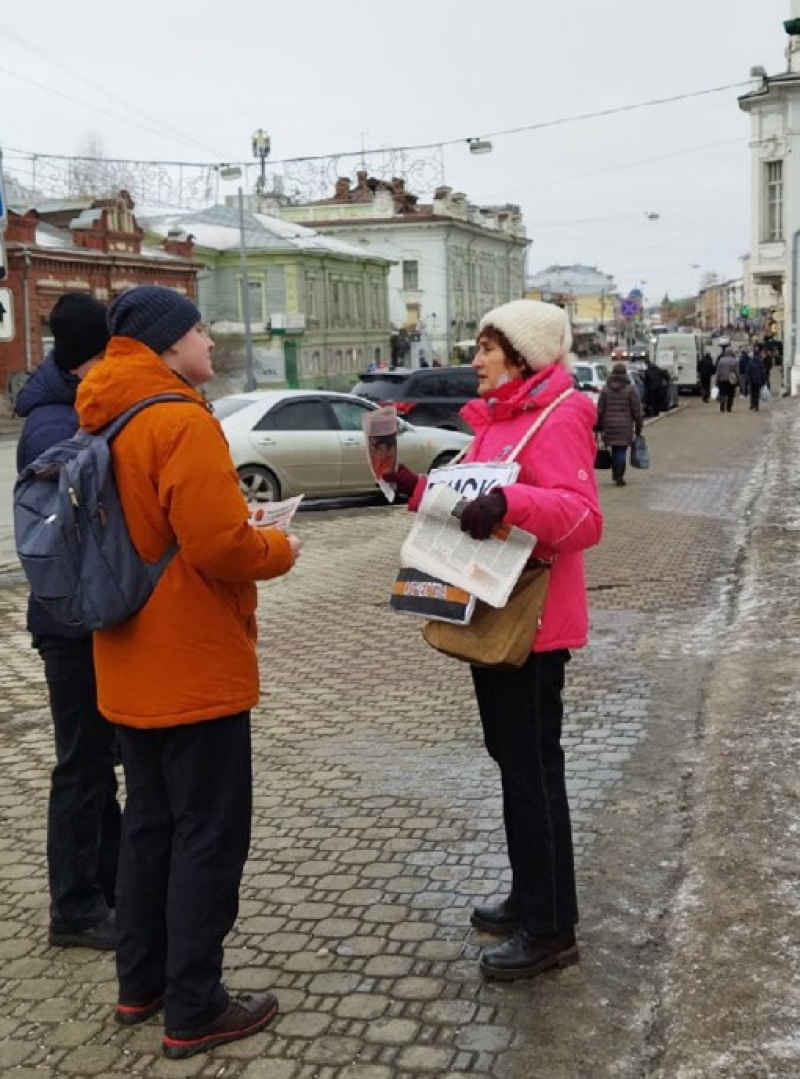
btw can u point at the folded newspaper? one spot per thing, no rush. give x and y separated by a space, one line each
488 569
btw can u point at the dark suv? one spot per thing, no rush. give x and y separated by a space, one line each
431 397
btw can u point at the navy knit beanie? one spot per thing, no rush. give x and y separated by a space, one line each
80 330
158 317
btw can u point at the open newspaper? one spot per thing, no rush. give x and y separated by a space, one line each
488 569
380 431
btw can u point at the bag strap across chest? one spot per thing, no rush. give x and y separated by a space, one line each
537 423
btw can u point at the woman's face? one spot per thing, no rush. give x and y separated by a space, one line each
491 365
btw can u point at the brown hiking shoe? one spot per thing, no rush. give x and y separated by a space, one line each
246 1014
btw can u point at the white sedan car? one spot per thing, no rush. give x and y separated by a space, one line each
311 442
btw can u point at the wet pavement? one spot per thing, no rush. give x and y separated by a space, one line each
378 823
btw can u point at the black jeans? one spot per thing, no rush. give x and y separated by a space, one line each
83 819
727 392
521 712
185 838
755 396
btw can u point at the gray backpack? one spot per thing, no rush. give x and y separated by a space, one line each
71 534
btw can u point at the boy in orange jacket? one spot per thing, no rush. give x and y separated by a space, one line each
180 677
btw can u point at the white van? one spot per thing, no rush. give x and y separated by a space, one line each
680 354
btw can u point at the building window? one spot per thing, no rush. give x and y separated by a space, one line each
410 276
773 201
257 299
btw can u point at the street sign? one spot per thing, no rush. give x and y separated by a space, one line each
6 315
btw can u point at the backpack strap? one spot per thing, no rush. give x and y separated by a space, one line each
112 429
537 423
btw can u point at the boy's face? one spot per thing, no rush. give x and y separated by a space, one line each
191 356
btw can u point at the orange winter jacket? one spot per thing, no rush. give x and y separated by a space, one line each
189 654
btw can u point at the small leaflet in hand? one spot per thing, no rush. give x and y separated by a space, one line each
380 432
273 514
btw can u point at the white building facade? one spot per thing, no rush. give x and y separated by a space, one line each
451 261
773 104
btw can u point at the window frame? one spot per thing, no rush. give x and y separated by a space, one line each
772 225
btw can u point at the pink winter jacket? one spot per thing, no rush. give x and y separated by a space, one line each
555 496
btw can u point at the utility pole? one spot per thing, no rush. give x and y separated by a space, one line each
249 366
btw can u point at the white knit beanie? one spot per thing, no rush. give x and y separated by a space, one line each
538 331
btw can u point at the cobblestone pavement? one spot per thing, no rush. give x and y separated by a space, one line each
377 812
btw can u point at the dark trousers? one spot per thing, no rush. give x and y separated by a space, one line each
705 388
727 392
185 838
755 396
83 819
619 459
521 713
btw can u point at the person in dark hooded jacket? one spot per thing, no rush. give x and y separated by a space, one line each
619 419
83 824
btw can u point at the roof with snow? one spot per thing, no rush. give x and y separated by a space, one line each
217 229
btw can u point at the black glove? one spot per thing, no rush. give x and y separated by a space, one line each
481 516
404 480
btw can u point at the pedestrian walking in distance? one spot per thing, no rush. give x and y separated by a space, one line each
705 370
83 818
727 379
523 367
619 419
180 677
757 378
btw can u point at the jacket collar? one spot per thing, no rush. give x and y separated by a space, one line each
518 396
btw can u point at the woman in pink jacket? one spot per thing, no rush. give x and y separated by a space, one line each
523 366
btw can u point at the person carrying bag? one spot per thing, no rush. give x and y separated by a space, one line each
523 368
501 637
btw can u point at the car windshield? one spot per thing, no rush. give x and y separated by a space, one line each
379 389
601 369
226 406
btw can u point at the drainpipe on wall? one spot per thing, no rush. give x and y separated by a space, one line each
794 371
449 340
26 307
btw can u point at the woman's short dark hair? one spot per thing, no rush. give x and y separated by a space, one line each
495 337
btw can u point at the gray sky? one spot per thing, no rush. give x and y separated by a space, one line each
188 80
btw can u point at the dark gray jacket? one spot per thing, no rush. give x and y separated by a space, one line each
619 412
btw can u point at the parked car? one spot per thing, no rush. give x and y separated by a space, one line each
290 442
591 375
430 397
639 350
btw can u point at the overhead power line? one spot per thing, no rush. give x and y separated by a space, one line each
539 126
96 85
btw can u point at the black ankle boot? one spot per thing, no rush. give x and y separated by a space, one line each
499 918
524 955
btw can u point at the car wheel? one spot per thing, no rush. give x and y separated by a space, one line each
258 484
444 459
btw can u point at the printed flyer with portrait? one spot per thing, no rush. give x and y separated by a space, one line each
380 432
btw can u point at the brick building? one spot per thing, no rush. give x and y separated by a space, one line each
79 245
